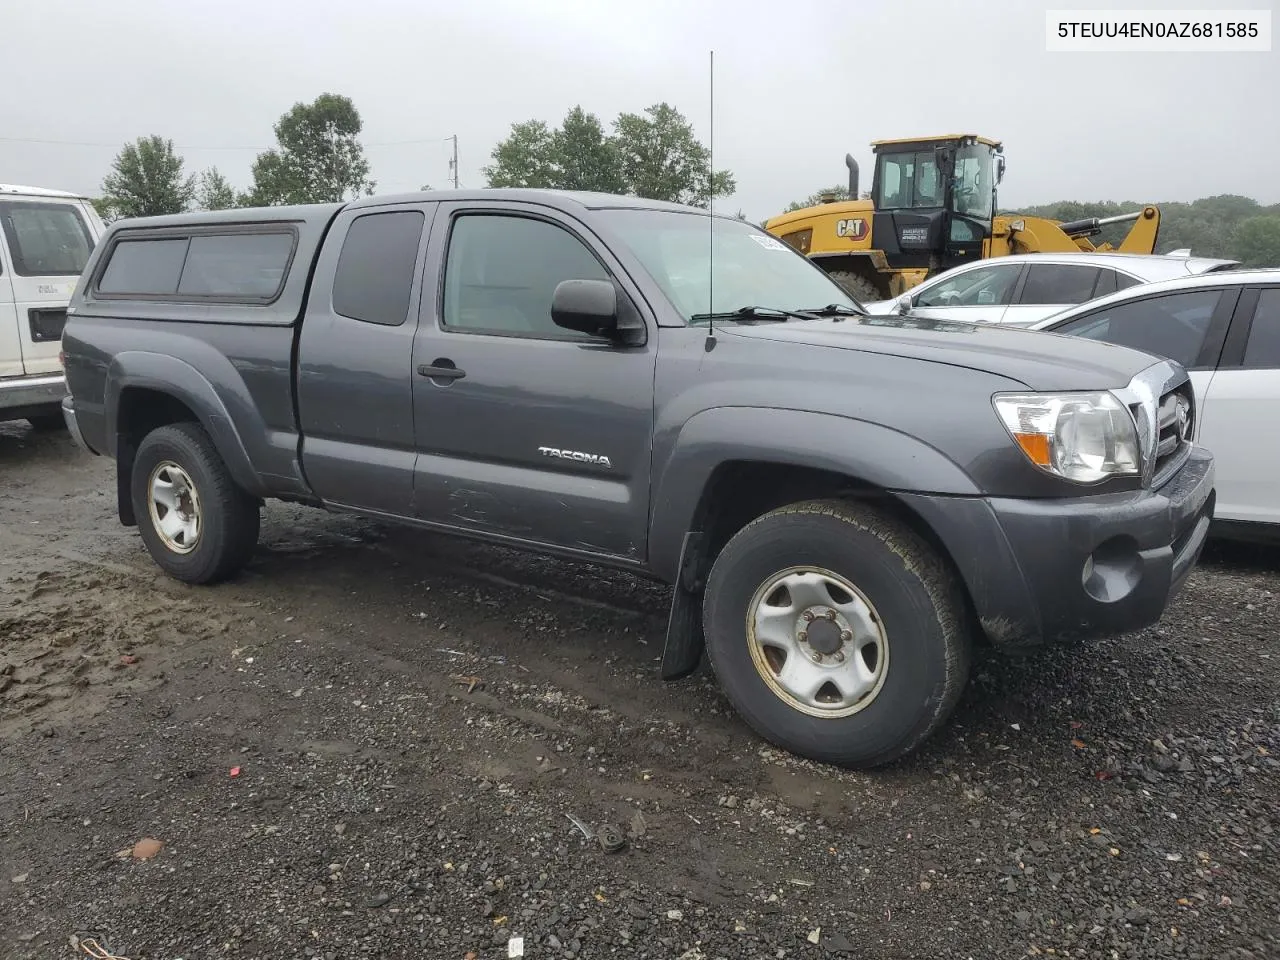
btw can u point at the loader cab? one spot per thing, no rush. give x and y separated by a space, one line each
934 199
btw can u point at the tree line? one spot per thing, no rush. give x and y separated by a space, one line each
318 158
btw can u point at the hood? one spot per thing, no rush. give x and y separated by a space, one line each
1042 361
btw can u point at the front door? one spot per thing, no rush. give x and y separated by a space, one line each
524 429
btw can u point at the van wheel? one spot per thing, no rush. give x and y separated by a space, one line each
836 632
197 524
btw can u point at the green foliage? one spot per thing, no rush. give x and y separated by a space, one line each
319 158
214 192
147 180
1257 241
653 155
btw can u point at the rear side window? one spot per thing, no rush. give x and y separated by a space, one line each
1059 283
247 267
374 279
1263 348
46 239
1173 326
1124 281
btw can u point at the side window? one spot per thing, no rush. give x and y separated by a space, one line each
147 268
1059 283
249 265
985 286
1263 349
1106 283
1172 326
1124 281
374 278
501 272
46 239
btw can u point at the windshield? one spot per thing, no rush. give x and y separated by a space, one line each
909 180
752 268
46 239
973 192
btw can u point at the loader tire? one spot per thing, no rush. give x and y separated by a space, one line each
858 286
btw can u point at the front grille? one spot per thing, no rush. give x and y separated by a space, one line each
1175 428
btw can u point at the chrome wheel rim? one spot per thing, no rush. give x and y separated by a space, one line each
817 642
174 506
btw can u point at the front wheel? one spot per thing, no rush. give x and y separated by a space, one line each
836 632
196 523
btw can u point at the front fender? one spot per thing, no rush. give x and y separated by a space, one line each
179 379
868 452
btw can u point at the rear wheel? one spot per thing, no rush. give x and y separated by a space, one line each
858 286
196 523
837 632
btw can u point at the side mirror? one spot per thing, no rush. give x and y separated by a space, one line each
904 304
588 306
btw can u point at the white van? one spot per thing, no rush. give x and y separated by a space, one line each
45 240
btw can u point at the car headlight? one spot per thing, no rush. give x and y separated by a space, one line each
1081 437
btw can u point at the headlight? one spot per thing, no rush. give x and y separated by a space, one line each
1082 437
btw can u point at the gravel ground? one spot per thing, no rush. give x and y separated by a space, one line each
377 743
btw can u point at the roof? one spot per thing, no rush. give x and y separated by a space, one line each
1149 266
25 191
944 136
1219 278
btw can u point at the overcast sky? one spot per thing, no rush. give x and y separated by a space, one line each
798 83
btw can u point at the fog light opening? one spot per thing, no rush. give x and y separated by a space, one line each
1113 570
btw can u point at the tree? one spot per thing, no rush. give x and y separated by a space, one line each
661 159
653 155
214 192
527 158
813 199
1257 242
319 158
147 180
585 157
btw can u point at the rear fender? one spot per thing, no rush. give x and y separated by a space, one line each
182 381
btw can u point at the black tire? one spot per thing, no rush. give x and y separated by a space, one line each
919 604
858 286
47 422
229 517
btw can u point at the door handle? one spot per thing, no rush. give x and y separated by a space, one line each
441 370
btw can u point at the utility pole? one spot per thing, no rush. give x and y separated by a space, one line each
453 164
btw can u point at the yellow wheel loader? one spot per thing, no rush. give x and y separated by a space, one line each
932 206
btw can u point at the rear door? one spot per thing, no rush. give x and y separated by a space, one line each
355 370
1240 408
524 429
48 243
979 294
1050 287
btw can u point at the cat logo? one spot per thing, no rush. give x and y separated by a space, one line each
854 229
597 459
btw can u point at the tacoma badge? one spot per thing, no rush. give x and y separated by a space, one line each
596 458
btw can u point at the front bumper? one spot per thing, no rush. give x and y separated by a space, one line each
1046 571
38 394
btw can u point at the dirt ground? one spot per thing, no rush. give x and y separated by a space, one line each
372 745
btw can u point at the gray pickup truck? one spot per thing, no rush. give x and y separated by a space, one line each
843 505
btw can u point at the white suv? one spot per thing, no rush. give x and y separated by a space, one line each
1225 329
45 239
1018 290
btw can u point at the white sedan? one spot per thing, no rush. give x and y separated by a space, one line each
1021 289
1224 327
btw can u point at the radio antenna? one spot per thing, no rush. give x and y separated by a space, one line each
711 208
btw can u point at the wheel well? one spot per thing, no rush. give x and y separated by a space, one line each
140 410
740 491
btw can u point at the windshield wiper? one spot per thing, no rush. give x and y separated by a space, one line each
755 313
837 310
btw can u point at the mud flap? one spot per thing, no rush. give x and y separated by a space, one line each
125 452
682 651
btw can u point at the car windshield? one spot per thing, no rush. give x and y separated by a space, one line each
752 268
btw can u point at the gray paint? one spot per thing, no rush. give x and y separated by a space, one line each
894 403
